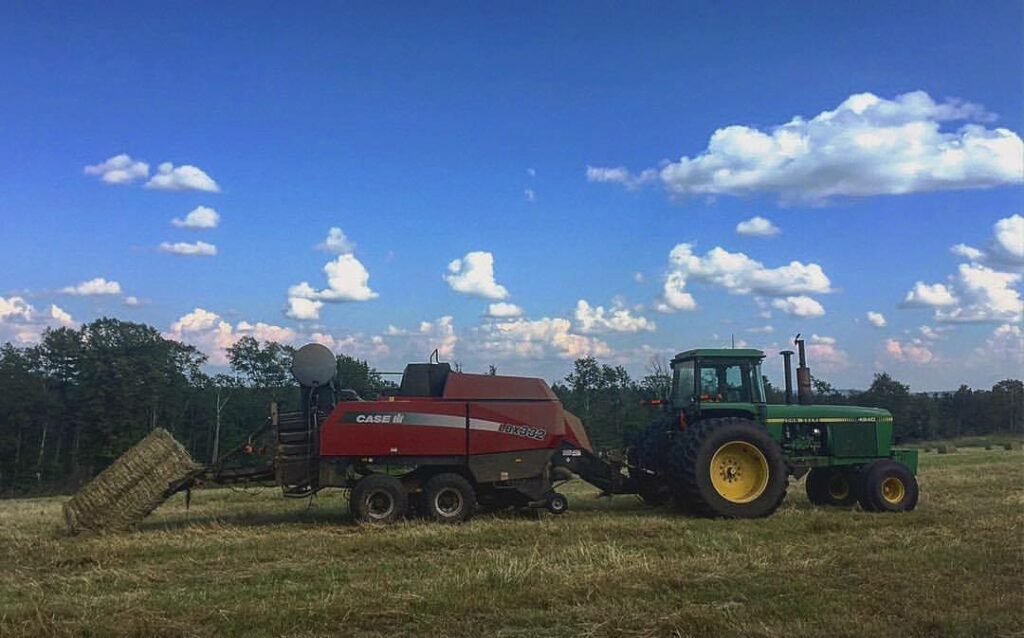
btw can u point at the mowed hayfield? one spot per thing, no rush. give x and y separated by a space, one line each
250 563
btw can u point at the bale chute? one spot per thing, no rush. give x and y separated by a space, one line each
132 486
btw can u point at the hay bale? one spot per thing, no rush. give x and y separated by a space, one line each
947 449
1007 446
132 487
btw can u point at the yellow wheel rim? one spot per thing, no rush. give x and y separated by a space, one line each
838 488
893 490
739 472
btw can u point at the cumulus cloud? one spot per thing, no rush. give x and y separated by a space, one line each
826 354
336 242
868 145
1005 247
976 293
132 301
97 286
209 332
876 319
347 280
353 345
595 319
757 226
503 310
200 217
198 249
530 195
912 351
762 330
474 275
21 322
1004 345
923 295
738 274
186 177
119 169
799 306
428 336
538 339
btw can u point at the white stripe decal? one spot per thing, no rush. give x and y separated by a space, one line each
440 421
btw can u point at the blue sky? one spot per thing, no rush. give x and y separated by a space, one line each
572 144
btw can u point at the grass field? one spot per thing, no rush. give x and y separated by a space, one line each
254 564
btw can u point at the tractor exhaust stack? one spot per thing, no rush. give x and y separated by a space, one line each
787 361
803 374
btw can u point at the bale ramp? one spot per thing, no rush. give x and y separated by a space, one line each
132 486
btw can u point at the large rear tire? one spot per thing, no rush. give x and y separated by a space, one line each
729 467
448 498
887 486
834 487
378 498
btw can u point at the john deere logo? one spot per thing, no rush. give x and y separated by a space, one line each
377 417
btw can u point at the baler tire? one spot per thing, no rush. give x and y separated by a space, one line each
557 503
690 463
832 487
888 486
378 498
448 485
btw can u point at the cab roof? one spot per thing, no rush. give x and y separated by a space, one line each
719 353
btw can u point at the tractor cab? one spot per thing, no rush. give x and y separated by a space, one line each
725 381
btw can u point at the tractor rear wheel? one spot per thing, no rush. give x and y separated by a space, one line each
378 498
728 467
448 498
836 487
887 486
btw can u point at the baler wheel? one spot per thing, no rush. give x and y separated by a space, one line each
378 498
728 467
888 486
448 498
835 487
557 503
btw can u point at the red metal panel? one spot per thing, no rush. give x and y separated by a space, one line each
500 426
407 428
467 387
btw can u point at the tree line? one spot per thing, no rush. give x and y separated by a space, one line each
76 401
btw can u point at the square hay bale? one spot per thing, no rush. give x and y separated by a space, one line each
132 486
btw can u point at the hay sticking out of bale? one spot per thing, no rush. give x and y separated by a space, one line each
132 487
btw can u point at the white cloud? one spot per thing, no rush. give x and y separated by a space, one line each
97 286
620 175
347 280
923 295
428 336
738 274
21 323
762 330
119 169
1005 345
1005 247
799 306
200 217
825 354
591 319
16 308
132 301
539 339
474 275
503 310
876 319
353 345
757 226
867 146
61 316
303 309
198 249
182 178
913 351
934 334
532 172
530 195
336 242
984 294
212 334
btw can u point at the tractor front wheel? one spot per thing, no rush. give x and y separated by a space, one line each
887 486
835 487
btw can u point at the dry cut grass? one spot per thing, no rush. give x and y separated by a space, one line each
250 563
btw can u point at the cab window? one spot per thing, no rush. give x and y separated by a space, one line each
730 382
682 384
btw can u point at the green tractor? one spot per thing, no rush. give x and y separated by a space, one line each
722 450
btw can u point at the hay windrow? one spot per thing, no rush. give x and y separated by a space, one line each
132 486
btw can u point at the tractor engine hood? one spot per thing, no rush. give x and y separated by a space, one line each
826 414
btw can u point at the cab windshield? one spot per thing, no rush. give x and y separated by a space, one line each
730 382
